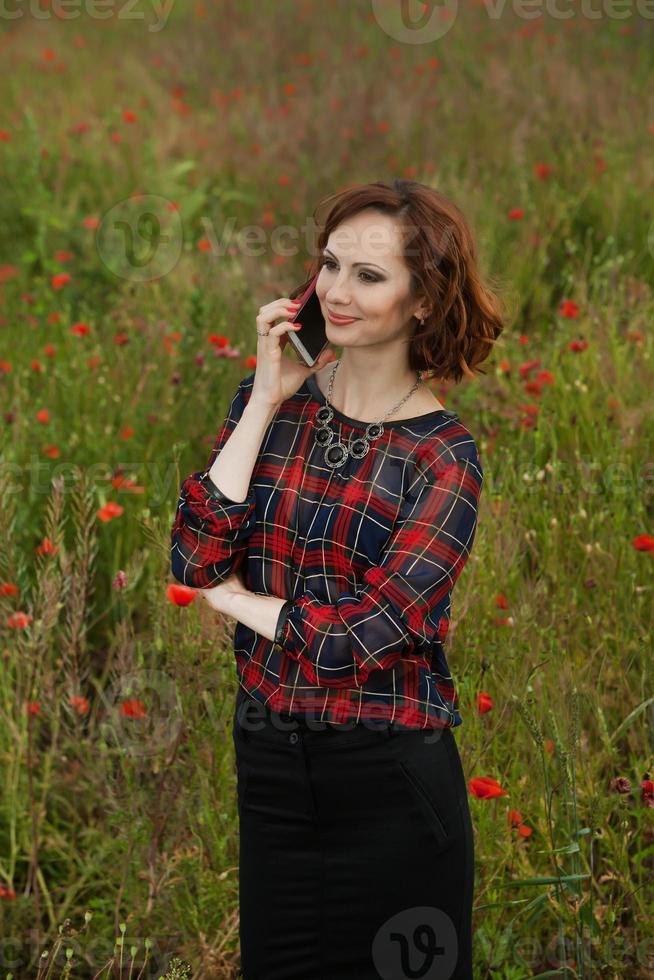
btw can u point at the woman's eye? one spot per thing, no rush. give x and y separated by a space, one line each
329 263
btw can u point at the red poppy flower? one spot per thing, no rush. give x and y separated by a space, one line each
569 309
60 279
644 542
19 620
484 702
527 367
81 705
8 272
180 595
122 482
110 510
486 788
543 170
133 708
46 547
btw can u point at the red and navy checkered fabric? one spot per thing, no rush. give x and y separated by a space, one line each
368 554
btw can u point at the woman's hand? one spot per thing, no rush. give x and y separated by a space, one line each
219 597
276 378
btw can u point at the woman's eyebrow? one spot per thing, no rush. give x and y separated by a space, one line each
354 264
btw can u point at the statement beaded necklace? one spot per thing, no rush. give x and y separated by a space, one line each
336 453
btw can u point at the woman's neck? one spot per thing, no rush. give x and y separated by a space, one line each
368 397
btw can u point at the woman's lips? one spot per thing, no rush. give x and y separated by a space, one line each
340 320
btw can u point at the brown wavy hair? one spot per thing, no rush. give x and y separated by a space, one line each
465 316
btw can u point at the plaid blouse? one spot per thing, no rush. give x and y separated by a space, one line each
366 555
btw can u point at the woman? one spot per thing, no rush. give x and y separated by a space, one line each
356 845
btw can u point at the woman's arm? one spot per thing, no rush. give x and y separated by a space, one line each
261 613
215 510
231 470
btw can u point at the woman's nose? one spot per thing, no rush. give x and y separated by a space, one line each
334 297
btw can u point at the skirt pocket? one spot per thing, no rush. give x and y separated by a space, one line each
423 797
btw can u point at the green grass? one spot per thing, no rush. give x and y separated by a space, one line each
252 114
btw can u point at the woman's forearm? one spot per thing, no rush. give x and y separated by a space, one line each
258 612
232 469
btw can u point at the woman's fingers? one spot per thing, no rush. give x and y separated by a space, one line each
279 307
271 312
281 328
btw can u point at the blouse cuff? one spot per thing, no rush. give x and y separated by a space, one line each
214 491
281 622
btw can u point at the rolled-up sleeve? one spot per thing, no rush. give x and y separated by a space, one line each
398 608
209 536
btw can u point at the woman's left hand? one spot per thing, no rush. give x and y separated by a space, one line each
219 597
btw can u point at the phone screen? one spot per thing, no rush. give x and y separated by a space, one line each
311 339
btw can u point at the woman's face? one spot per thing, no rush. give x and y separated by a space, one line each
364 275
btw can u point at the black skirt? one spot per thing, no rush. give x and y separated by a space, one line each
356 850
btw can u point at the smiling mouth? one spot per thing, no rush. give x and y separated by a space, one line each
338 316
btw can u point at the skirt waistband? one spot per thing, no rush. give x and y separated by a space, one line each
249 710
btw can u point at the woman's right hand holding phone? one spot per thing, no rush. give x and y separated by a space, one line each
277 378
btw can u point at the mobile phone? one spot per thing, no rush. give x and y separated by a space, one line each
311 339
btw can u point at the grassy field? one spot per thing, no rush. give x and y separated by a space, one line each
136 150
